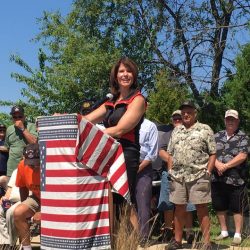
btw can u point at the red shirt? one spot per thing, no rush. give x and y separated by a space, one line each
29 178
114 113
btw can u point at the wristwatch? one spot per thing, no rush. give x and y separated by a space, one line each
22 129
208 173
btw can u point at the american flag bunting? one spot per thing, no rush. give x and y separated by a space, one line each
78 161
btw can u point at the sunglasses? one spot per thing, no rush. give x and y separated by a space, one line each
17 117
177 119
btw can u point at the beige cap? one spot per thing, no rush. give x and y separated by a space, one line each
176 112
232 113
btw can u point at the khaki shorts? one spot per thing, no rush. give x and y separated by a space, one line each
196 192
33 203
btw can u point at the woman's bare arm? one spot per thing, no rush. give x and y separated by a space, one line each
130 119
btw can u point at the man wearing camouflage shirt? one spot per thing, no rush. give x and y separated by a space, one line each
192 151
229 177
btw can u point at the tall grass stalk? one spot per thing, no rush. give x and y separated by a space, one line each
125 237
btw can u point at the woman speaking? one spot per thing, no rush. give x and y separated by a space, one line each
122 117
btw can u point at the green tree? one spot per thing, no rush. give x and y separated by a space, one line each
5 119
189 38
74 68
167 97
193 40
236 91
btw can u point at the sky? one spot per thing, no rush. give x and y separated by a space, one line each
18 25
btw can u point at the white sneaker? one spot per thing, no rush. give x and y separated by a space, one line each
221 237
236 241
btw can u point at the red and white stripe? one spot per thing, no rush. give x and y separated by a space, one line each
74 204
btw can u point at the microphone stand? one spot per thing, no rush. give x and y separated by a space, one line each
89 105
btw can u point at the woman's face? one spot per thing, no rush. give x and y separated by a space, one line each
125 76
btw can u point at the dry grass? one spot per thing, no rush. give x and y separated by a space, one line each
126 238
7 247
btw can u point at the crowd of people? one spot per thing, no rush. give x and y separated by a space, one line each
198 167
20 183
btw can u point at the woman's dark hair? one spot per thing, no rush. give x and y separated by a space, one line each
129 64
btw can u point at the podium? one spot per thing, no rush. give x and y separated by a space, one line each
79 163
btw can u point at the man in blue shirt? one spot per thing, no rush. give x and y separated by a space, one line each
143 192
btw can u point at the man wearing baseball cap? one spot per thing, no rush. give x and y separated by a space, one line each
164 204
17 137
191 151
230 175
28 179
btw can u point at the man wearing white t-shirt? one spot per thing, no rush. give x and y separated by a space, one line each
8 235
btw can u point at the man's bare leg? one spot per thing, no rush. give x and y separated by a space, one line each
168 218
222 218
179 220
203 216
21 214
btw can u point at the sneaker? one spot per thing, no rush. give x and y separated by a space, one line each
189 237
144 243
167 235
203 246
236 241
207 246
173 245
221 237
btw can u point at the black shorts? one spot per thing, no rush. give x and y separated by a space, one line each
228 197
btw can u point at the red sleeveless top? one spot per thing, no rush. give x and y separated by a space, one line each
114 113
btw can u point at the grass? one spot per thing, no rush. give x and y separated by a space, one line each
215 231
125 237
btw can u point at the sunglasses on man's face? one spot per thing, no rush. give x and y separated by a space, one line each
17 117
177 119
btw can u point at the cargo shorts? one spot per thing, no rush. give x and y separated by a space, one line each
33 203
196 192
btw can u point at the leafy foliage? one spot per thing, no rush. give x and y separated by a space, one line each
167 97
5 119
236 91
191 40
74 69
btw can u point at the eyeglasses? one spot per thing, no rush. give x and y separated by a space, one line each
230 118
17 117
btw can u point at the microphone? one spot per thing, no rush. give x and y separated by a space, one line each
84 104
97 104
